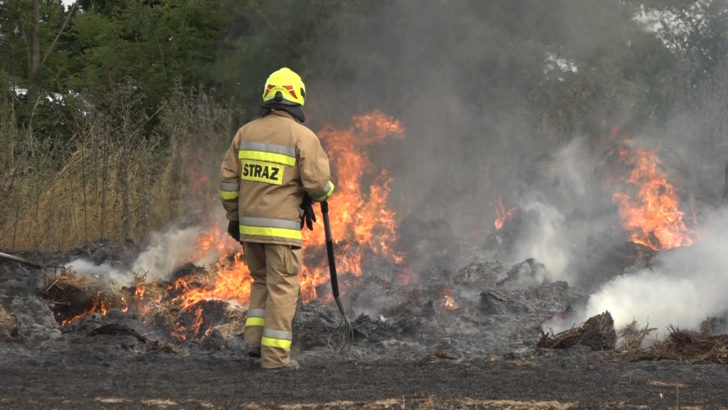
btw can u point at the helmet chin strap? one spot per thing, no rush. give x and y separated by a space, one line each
295 110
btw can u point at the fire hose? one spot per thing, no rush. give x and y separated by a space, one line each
344 332
21 260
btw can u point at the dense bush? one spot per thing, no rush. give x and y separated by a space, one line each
113 114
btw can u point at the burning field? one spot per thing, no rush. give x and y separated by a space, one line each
512 317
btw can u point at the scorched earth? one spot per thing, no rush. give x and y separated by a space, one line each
418 353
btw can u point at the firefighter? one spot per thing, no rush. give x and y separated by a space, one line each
273 168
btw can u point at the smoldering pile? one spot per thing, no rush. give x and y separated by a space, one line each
480 309
154 306
598 333
687 346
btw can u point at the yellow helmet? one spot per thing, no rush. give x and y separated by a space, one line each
286 83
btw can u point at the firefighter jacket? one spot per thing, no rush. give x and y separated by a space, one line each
271 162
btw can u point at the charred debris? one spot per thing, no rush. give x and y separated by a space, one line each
479 310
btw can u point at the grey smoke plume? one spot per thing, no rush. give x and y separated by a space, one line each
683 287
462 76
567 219
520 100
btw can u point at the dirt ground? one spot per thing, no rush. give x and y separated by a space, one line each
413 353
559 379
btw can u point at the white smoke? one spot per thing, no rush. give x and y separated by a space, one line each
167 251
104 274
566 215
545 241
684 287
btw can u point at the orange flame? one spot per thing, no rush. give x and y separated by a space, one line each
99 306
213 243
501 214
447 300
139 291
653 217
232 282
360 220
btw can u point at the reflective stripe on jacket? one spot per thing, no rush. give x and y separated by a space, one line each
271 162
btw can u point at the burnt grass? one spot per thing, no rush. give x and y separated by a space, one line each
409 351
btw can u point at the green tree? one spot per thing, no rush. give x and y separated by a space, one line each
262 36
154 44
31 34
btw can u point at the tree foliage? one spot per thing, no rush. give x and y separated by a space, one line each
559 68
156 44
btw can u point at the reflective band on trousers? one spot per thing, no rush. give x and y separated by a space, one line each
256 317
276 338
228 195
280 228
229 186
257 312
255 321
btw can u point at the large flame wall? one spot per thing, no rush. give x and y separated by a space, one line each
360 219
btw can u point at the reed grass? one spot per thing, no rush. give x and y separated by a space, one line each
122 173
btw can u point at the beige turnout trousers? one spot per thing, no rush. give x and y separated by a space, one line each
273 298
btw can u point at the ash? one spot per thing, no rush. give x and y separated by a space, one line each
431 338
478 310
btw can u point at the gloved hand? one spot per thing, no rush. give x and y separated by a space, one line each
309 217
234 230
